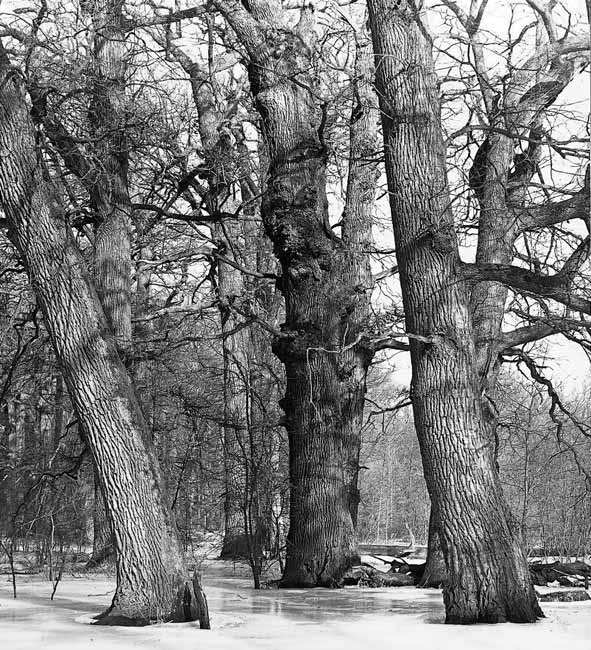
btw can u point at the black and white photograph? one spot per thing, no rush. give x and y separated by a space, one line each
295 325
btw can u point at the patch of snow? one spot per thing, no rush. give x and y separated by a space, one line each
353 618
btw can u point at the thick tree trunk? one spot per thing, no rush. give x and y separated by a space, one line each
488 578
152 578
325 367
321 344
110 202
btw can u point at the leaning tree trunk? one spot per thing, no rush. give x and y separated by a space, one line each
110 202
499 177
488 577
152 578
321 343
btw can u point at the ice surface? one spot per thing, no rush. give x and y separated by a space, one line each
403 618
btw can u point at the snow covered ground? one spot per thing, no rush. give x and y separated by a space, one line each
354 618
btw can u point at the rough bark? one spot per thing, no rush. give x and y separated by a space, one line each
110 202
356 232
109 193
499 178
321 345
435 572
236 347
488 578
152 578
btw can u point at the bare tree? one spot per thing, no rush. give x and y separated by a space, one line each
488 577
152 578
321 344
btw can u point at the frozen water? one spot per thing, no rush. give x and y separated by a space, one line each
354 618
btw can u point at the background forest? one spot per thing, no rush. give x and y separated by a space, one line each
240 318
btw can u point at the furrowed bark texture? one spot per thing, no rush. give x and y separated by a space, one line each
435 572
152 579
110 202
499 178
109 193
321 347
488 577
356 229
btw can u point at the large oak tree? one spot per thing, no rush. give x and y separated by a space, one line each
488 578
152 577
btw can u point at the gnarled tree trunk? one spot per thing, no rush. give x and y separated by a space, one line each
321 345
488 578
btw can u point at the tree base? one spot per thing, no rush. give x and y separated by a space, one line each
301 575
190 604
108 618
513 612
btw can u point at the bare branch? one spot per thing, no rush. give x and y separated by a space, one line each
529 334
556 287
247 28
393 270
549 214
167 19
544 11
242 269
471 24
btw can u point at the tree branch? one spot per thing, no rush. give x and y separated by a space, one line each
167 19
545 13
549 214
529 334
247 28
555 287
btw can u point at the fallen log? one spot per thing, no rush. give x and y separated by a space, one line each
367 576
402 566
565 596
567 574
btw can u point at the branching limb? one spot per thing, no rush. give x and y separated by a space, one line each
556 407
549 214
556 287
